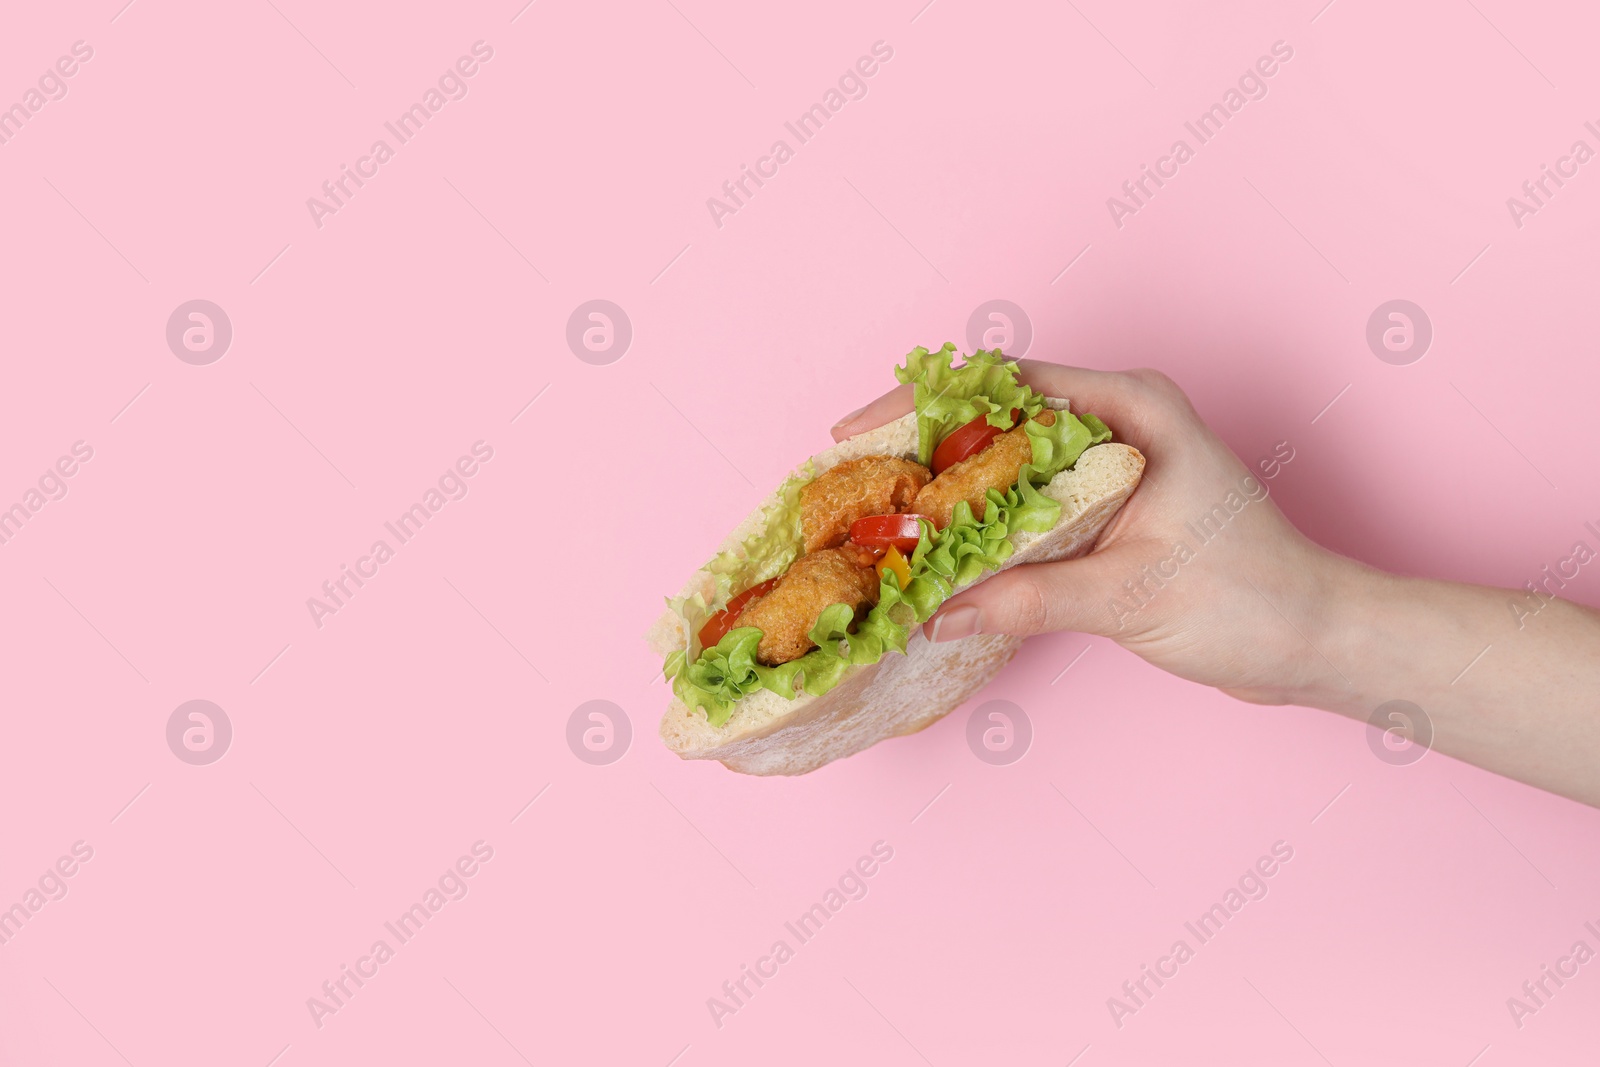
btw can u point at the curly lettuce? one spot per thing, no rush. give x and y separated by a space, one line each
717 678
947 397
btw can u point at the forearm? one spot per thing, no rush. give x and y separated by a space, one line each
1519 696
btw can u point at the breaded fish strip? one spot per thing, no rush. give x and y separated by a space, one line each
996 467
855 489
815 581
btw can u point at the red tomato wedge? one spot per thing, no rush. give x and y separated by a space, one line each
717 627
888 531
969 440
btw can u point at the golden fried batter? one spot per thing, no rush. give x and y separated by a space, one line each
996 467
855 489
815 581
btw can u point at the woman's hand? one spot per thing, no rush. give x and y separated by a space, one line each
1199 573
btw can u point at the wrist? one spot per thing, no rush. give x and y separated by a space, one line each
1350 629
1390 638
1313 612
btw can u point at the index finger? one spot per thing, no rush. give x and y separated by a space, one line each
888 407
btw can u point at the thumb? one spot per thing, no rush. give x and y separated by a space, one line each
1078 595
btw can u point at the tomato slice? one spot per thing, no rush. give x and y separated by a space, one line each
888 531
717 627
969 440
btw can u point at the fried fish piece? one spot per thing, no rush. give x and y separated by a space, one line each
996 467
813 582
855 489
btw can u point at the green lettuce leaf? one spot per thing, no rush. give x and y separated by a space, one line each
1058 446
927 589
948 398
819 670
722 675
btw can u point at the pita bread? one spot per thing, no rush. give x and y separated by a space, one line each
900 694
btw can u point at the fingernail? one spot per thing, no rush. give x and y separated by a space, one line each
959 622
850 416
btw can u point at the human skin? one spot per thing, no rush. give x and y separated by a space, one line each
1267 616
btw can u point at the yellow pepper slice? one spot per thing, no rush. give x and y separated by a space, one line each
894 561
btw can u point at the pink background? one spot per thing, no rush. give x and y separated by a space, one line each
424 316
